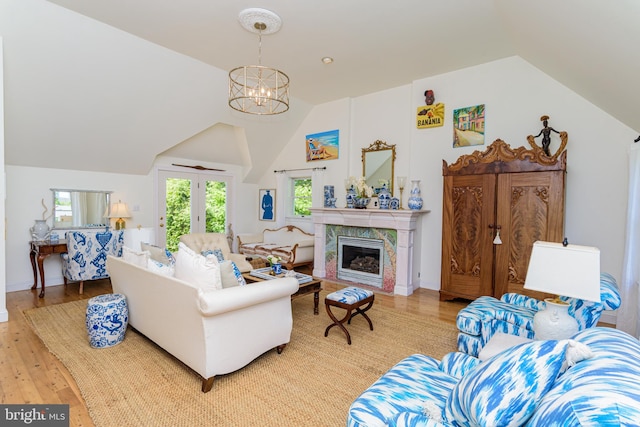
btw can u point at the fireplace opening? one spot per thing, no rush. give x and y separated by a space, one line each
360 260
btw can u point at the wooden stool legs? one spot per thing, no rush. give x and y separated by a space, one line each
347 318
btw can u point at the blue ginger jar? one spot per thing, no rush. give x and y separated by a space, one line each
384 198
415 200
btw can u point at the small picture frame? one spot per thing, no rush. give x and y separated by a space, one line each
267 204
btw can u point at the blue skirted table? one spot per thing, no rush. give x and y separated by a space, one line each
107 319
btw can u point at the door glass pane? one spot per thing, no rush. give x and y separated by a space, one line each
178 202
216 206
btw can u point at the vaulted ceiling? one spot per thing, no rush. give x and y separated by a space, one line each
590 46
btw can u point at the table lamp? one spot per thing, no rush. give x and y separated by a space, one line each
562 269
119 210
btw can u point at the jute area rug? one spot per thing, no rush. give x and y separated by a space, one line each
312 383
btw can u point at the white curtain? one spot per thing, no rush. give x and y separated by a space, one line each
628 319
78 208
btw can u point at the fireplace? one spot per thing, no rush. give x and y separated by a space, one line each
360 260
400 278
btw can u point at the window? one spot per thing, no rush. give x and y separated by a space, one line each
301 196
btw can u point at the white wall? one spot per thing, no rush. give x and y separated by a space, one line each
516 95
26 187
4 314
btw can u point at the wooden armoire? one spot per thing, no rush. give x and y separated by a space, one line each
518 193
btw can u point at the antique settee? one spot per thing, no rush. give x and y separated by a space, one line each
292 245
513 314
86 255
189 312
591 380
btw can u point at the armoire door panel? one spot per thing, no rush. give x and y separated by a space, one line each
529 209
468 209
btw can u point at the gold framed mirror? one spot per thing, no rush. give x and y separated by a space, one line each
377 165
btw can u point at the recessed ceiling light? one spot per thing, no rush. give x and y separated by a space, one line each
327 60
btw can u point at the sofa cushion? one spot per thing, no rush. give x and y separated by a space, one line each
157 253
505 390
203 272
139 258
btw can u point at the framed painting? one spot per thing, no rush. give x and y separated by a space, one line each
267 203
323 146
468 126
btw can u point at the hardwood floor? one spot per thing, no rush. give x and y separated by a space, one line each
30 374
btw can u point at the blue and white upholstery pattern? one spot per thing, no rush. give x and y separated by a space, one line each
87 251
513 314
524 385
106 320
408 384
504 390
601 391
349 295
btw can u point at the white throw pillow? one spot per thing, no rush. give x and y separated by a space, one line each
139 258
157 253
196 269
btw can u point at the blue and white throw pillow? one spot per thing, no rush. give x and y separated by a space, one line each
217 252
231 275
160 268
504 390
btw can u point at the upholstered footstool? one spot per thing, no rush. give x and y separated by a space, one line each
107 319
349 299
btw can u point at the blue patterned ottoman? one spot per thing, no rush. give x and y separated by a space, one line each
350 299
107 319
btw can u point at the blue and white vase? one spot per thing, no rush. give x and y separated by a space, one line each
415 200
277 268
351 197
394 203
384 198
329 200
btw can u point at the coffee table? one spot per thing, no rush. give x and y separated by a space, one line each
313 286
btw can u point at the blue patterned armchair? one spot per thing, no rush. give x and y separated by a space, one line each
87 252
513 314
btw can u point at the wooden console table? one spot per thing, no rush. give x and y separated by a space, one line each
39 250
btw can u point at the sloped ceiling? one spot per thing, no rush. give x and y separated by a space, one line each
141 78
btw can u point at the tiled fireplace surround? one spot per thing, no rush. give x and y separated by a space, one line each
395 227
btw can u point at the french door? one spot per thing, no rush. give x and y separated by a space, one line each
191 202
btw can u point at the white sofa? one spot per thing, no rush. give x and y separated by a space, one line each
291 244
213 332
209 241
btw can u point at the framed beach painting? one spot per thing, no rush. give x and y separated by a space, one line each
323 146
468 126
267 203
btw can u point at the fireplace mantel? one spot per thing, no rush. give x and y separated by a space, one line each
404 221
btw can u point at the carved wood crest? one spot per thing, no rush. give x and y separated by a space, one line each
499 157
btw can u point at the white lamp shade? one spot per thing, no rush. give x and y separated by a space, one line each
119 210
571 271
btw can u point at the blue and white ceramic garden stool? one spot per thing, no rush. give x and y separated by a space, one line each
350 299
107 319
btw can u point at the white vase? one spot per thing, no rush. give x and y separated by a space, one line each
40 230
555 322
